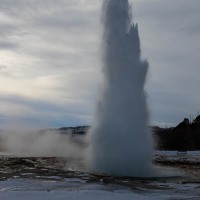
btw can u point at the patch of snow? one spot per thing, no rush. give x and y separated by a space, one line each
187 157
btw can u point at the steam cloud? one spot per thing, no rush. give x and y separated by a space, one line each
120 138
48 144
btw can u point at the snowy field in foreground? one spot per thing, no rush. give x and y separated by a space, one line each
189 157
174 153
15 190
32 185
99 195
86 195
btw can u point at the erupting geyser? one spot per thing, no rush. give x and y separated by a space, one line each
120 137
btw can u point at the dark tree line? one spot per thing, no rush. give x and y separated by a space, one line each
184 137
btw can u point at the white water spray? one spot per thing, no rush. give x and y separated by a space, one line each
120 137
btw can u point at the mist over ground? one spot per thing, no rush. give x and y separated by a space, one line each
48 143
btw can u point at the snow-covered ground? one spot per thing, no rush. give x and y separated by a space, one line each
174 153
19 189
187 157
28 179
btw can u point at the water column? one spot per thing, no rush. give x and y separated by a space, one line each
120 137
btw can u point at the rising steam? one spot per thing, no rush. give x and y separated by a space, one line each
120 138
48 144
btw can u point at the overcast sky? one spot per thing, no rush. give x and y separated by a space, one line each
50 60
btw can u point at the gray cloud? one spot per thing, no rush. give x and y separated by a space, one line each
192 29
7 30
2 67
169 34
45 112
52 53
7 45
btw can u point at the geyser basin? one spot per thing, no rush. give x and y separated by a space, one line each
120 137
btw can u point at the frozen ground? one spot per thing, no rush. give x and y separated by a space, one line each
49 178
189 158
77 189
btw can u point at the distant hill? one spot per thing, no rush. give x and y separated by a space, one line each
79 130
